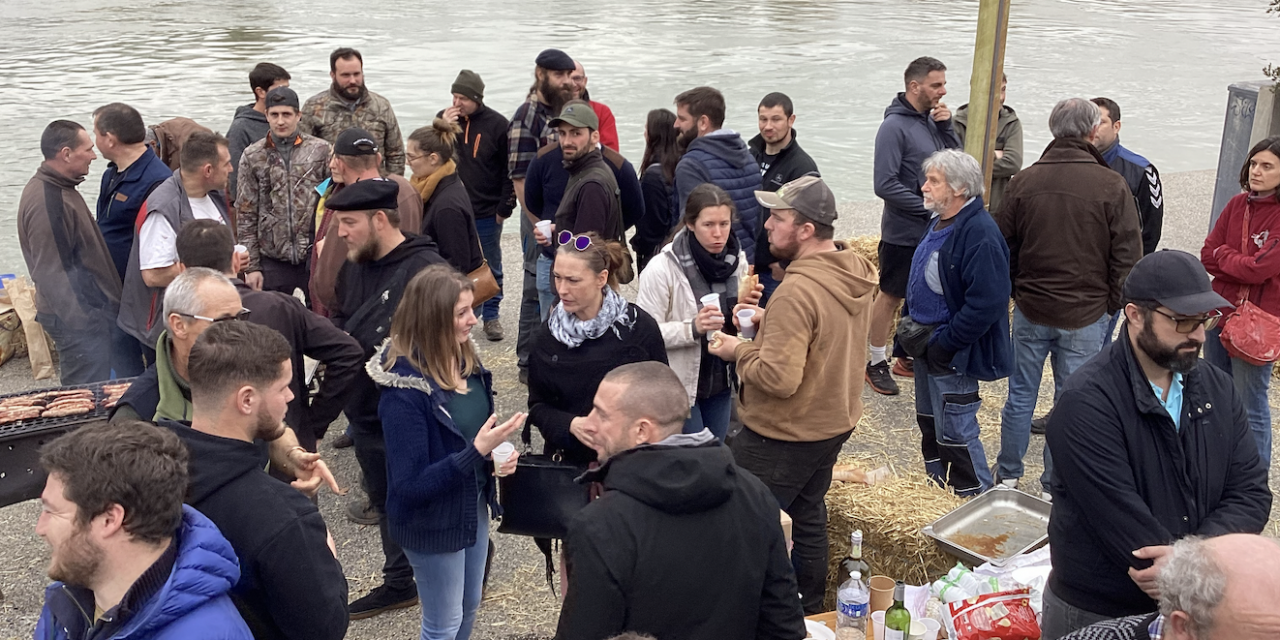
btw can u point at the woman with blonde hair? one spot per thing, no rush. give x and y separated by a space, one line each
446 207
438 419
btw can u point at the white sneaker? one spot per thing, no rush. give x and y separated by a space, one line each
1012 483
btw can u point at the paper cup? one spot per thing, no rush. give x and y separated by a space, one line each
747 323
918 630
502 453
881 592
877 622
545 227
711 299
932 629
242 249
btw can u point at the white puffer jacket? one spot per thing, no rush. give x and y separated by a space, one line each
666 295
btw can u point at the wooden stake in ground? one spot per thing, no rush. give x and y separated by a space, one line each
984 84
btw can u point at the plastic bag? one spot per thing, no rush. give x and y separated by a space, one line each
995 616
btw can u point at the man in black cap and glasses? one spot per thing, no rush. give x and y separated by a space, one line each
1150 446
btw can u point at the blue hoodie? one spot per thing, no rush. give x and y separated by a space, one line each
906 139
192 603
722 157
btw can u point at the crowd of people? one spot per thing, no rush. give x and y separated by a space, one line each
215 265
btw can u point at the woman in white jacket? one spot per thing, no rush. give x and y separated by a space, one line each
703 258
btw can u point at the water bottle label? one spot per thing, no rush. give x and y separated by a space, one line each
854 609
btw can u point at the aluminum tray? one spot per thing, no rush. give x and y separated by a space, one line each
993 527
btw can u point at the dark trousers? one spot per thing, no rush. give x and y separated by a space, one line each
529 306
371 454
284 277
1061 619
81 356
127 360
798 474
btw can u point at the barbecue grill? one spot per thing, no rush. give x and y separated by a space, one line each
21 477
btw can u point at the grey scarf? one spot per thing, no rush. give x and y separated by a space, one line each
568 330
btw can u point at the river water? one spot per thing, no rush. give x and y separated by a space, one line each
1166 62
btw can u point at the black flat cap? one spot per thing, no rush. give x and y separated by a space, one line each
366 195
554 59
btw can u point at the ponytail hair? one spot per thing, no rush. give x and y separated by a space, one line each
602 255
438 138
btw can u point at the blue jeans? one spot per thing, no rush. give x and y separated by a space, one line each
546 289
1251 383
711 413
490 230
450 585
947 412
1067 350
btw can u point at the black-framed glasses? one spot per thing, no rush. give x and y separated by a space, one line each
579 242
242 314
1185 325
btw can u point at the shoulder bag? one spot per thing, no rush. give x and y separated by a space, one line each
1249 333
542 495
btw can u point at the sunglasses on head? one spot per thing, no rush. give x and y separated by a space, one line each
1186 325
579 242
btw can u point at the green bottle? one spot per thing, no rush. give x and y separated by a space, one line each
897 620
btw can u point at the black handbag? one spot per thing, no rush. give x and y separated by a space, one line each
542 495
913 336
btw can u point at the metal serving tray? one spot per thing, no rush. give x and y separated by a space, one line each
993 527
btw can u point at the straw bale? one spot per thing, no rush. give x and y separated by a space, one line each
890 515
867 247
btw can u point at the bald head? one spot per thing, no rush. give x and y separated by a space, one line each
1221 588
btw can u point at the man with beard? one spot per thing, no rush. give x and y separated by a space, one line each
801 379
381 261
1151 446
958 294
781 160
552 88
590 201
291 585
124 547
348 103
608 125
717 155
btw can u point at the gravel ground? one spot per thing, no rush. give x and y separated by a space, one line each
519 605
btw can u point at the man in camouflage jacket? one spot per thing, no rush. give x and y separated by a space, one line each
277 198
347 103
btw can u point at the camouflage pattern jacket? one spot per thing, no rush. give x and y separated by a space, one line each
277 199
325 115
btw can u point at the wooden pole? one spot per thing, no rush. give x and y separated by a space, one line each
984 84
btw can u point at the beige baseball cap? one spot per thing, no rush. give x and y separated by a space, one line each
807 194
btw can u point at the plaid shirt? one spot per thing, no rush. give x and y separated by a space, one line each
528 133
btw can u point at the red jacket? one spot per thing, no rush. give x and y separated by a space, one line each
608 126
1257 267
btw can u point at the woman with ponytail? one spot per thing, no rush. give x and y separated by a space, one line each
446 217
591 331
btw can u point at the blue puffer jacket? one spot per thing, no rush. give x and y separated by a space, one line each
722 157
974 262
192 603
905 140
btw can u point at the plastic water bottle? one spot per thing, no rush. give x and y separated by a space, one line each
853 605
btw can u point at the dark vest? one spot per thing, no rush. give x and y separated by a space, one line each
582 172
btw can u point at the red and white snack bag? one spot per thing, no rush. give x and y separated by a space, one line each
1006 615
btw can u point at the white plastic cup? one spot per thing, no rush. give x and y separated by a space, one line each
544 227
746 323
877 620
503 452
242 249
711 299
932 629
918 630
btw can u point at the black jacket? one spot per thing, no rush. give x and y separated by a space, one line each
359 282
563 381
315 337
679 525
290 585
481 152
1125 479
790 163
658 220
1148 192
447 219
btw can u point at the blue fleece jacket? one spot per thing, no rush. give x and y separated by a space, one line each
431 478
906 139
192 603
722 157
974 264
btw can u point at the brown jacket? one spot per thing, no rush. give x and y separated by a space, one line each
166 138
75 279
802 376
1073 236
326 264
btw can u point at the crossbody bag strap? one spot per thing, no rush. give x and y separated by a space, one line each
1244 245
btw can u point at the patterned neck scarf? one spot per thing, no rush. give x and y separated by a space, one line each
570 331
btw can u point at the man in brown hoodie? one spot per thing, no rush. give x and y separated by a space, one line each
802 376
77 286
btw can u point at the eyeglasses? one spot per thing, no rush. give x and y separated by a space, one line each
242 314
1187 325
580 242
414 158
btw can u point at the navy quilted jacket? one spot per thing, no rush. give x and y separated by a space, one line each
722 157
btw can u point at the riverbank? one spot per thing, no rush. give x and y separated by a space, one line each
519 604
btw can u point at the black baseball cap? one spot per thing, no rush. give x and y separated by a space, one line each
1176 280
355 142
282 97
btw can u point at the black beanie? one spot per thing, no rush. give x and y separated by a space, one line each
470 85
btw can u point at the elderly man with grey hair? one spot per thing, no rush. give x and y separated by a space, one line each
1217 589
1073 235
958 292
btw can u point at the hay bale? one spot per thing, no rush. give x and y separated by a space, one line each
867 247
890 515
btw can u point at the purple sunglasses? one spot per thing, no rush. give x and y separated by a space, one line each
580 242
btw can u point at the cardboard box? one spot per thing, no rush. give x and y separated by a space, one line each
786 529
